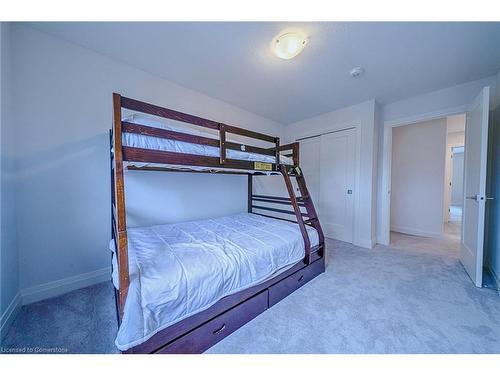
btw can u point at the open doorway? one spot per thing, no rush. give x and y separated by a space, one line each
454 175
426 181
472 233
455 187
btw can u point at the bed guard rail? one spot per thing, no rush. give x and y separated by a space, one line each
177 158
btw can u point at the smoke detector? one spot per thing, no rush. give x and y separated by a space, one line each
356 72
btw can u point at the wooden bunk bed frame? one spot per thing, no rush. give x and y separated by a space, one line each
197 333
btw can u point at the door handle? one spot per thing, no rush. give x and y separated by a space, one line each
479 197
219 330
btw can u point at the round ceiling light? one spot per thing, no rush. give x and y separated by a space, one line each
288 45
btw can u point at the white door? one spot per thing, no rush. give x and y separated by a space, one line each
336 184
476 144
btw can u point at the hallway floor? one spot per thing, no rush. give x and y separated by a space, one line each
453 227
410 297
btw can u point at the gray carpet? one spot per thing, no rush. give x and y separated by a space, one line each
82 321
413 297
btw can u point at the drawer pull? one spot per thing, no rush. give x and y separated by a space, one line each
217 331
301 278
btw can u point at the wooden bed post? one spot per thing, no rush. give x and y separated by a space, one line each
277 155
118 214
295 154
222 140
250 192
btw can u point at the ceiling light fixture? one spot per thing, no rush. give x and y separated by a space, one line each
288 45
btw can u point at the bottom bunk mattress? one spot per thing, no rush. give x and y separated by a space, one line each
178 270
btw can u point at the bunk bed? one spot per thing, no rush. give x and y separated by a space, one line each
181 288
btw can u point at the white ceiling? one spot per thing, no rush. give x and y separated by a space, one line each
232 61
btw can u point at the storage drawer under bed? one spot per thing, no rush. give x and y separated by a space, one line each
214 330
293 282
203 337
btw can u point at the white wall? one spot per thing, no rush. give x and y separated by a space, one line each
493 207
431 105
187 196
62 106
362 116
2 111
418 160
8 245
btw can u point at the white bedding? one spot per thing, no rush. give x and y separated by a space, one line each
178 270
154 143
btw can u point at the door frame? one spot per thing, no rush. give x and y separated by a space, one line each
385 210
335 128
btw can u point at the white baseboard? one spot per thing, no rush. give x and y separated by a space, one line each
381 240
367 244
417 232
58 287
9 315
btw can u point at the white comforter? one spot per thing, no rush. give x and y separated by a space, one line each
178 270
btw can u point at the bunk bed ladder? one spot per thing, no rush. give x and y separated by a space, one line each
309 207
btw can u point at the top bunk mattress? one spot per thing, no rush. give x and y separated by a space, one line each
162 144
178 270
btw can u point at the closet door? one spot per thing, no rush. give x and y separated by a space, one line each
336 184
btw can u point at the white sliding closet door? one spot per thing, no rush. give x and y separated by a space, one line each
336 187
